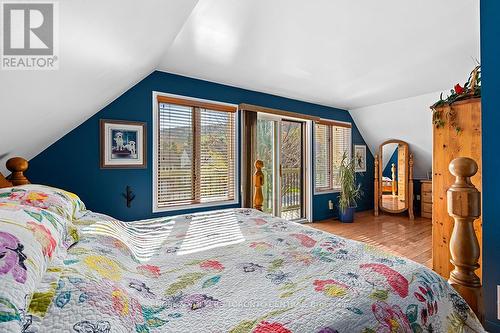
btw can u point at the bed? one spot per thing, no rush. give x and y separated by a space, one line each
64 268
387 185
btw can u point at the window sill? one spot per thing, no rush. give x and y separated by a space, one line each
335 190
194 206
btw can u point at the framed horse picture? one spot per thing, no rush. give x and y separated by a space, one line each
360 158
123 144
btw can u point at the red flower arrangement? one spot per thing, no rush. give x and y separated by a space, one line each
459 89
471 89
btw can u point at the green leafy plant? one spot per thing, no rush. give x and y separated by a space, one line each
471 89
350 192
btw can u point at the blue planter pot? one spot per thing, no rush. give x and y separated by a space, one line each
347 216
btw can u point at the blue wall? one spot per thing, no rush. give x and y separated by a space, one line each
387 170
72 162
490 62
320 202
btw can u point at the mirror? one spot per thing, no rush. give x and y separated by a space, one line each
394 190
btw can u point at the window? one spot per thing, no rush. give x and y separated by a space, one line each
195 151
331 140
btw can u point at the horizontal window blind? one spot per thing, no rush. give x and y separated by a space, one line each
331 141
216 156
323 165
196 154
341 145
175 155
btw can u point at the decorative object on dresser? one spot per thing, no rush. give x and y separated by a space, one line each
426 198
448 144
123 144
471 90
17 166
393 185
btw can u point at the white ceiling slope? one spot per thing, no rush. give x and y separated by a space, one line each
408 119
344 53
340 53
105 48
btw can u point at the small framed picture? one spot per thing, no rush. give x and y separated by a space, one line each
123 144
360 158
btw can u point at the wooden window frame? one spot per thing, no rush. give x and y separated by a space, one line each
159 97
331 124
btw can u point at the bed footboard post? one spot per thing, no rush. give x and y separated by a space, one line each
258 180
410 187
464 205
393 183
376 185
17 165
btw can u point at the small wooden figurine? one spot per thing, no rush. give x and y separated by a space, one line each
258 180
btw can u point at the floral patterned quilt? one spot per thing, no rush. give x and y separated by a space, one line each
237 271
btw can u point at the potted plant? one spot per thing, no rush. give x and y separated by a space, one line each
350 192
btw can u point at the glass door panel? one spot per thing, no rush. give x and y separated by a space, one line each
266 151
291 169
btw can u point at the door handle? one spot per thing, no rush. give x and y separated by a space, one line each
281 171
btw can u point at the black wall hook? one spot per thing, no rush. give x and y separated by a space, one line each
129 196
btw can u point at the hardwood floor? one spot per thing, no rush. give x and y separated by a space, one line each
392 233
392 202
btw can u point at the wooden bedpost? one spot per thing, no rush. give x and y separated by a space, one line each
376 189
410 187
258 181
17 165
393 175
464 205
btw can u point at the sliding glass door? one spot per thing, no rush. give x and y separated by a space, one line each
266 152
280 145
291 169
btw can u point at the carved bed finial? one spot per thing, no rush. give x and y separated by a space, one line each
258 180
464 205
17 165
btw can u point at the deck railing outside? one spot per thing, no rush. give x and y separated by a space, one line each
291 193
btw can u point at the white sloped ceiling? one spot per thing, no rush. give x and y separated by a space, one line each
408 119
105 48
349 54
342 53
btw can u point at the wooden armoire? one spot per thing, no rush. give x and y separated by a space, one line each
449 143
